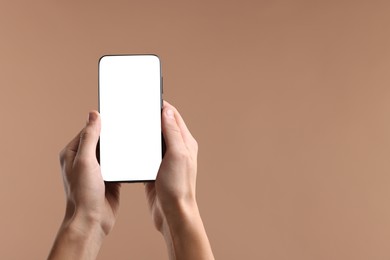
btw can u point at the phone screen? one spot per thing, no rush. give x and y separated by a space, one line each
130 109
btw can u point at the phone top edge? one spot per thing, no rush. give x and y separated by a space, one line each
137 54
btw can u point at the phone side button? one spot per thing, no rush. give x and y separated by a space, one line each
162 85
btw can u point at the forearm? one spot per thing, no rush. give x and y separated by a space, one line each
77 239
168 240
187 233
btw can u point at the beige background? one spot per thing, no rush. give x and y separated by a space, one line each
289 102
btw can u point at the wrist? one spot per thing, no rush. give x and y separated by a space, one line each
181 209
185 233
181 216
77 239
86 219
175 214
83 226
177 217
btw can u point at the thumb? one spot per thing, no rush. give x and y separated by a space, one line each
89 136
171 131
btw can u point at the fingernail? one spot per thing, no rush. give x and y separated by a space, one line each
92 117
170 113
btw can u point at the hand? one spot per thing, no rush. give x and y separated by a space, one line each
171 197
91 205
87 194
176 178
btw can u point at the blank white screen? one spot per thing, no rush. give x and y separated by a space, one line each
130 109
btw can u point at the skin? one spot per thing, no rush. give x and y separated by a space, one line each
171 197
92 205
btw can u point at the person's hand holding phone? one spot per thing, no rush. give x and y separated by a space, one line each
172 197
91 205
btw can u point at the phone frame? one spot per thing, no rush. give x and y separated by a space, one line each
163 146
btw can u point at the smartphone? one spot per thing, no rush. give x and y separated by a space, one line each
130 103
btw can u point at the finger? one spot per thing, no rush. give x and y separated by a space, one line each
185 132
90 136
149 186
180 122
171 131
70 150
113 191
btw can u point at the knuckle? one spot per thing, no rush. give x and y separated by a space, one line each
171 127
81 162
85 133
89 131
181 155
